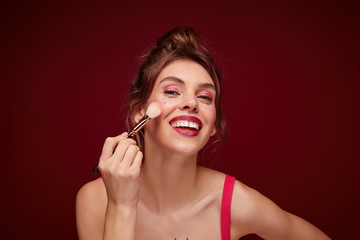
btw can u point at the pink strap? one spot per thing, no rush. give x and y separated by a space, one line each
226 207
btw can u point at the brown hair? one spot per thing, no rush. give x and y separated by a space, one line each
177 44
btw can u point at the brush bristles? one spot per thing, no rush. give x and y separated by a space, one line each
153 110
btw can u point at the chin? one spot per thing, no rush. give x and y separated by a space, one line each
174 143
187 148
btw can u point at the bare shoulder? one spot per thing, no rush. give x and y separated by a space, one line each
216 179
211 185
91 202
211 177
93 191
246 200
252 212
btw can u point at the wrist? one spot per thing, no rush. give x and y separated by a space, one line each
125 209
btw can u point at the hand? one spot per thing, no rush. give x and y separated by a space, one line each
120 170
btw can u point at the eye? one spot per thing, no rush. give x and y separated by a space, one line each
171 92
206 99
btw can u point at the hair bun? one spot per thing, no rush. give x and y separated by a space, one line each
179 38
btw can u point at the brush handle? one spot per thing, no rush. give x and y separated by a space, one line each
137 128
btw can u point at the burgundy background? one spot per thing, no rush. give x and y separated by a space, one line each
290 84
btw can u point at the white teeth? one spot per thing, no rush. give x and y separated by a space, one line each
185 124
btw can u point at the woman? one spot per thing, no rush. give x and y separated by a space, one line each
153 188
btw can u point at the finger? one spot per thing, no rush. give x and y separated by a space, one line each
108 147
110 144
114 159
130 154
137 160
121 149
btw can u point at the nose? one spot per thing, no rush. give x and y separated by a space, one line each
189 103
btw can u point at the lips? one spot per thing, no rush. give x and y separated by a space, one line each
186 125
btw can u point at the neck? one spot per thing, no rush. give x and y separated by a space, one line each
168 181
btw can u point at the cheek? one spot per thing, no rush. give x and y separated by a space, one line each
161 101
210 114
165 104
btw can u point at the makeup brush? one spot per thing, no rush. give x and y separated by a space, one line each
152 111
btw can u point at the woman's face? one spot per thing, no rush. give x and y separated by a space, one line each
186 94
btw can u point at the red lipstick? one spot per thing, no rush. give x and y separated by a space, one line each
187 131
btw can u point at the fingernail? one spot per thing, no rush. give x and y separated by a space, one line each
124 134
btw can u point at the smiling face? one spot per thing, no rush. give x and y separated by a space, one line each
186 95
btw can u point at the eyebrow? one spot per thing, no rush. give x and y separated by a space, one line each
178 80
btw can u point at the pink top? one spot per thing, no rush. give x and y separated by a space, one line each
226 207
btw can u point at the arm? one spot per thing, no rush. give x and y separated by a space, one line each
120 222
90 208
258 214
110 212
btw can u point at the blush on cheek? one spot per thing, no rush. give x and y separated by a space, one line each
165 103
212 109
211 113
161 101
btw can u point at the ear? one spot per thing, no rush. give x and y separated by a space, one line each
213 131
